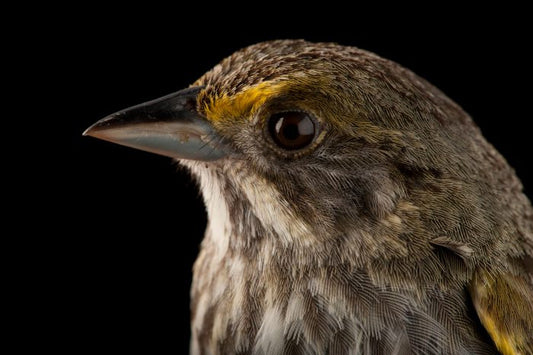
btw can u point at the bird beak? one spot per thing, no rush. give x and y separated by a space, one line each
170 126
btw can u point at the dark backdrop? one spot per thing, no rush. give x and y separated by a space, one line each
139 219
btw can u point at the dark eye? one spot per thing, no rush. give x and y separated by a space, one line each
291 130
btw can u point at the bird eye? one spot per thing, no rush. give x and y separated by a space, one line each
291 130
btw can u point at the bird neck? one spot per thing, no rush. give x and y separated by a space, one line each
247 215
263 275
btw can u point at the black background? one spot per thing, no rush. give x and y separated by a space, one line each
139 219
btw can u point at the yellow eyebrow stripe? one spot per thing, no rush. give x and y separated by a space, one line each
243 104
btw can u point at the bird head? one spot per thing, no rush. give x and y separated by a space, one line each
314 144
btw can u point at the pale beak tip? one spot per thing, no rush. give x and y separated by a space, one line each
91 131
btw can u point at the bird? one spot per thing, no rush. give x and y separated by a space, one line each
353 208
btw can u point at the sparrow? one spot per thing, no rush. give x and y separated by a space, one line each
353 208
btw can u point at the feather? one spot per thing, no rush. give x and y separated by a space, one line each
504 304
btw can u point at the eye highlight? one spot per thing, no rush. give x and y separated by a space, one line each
292 130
